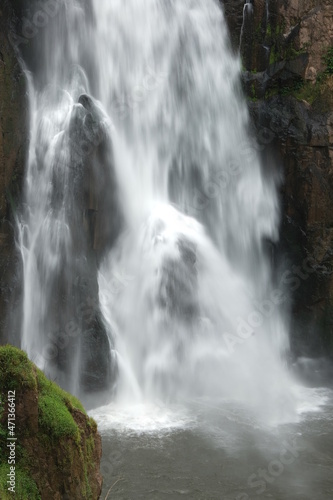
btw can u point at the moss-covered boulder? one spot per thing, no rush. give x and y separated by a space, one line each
57 450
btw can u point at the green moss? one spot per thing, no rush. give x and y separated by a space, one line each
318 94
54 406
90 445
328 59
56 428
25 487
292 52
253 97
308 92
274 34
55 418
87 490
16 371
280 50
46 386
92 424
293 88
272 56
280 28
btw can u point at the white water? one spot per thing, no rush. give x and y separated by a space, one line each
183 284
191 178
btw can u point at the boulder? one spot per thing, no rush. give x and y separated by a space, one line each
58 451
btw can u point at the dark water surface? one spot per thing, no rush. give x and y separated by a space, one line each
210 452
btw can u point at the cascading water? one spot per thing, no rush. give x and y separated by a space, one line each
62 326
192 268
186 288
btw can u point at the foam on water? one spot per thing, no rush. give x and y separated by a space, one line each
312 400
142 418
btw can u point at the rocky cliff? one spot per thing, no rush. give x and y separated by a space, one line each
57 450
287 54
13 146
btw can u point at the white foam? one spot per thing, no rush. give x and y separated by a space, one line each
312 399
142 418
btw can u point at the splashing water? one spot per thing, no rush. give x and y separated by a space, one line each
184 288
192 268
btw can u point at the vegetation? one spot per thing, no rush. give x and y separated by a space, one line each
328 59
15 370
303 90
55 434
26 487
54 404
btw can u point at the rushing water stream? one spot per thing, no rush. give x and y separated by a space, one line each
195 316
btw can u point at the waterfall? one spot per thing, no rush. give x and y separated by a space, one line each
168 201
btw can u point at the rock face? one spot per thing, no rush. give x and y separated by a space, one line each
309 24
287 53
73 315
234 15
13 146
58 449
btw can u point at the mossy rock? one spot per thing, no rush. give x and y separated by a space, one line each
58 448
16 371
25 485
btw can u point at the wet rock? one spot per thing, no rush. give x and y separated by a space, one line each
178 283
303 142
90 197
234 15
58 450
13 147
292 106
